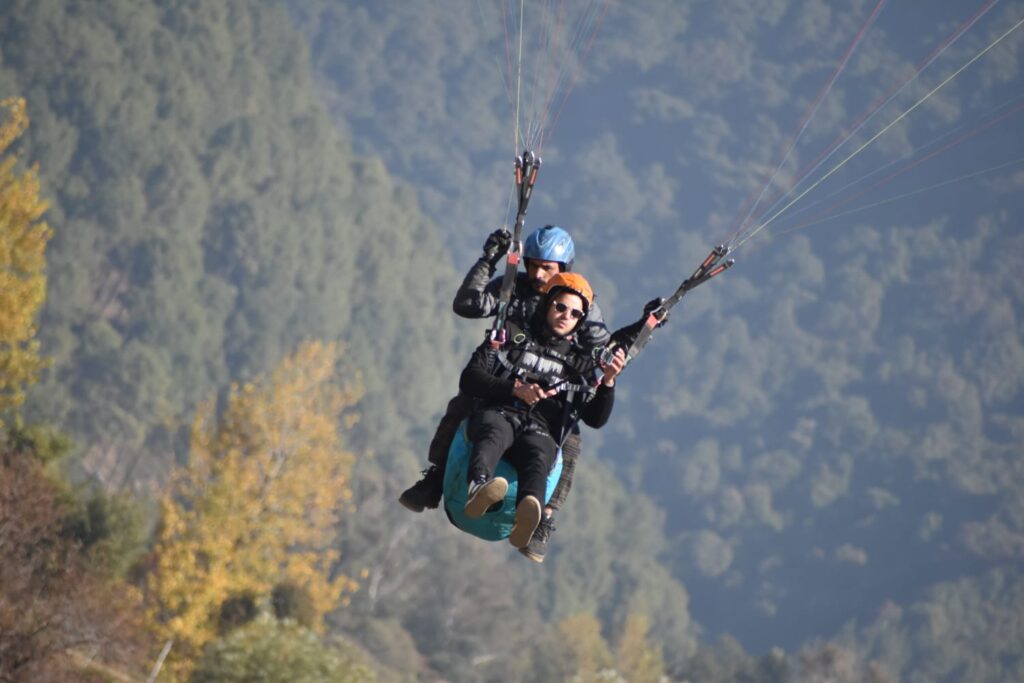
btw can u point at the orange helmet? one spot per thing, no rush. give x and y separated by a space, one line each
572 282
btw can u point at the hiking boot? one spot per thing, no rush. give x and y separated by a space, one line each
538 544
426 493
528 514
483 493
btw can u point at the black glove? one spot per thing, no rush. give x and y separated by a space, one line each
497 245
653 305
625 336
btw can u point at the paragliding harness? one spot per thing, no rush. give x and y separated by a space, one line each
709 268
529 367
522 358
527 165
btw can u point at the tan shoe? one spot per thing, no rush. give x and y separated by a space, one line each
528 514
482 495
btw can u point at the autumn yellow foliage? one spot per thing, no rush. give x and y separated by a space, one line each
588 657
259 499
638 658
586 651
23 239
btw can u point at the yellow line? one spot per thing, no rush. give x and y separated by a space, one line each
879 133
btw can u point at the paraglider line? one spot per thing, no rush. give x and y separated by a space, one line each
553 78
880 104
916 162
905 195
881 132
576 74
519 76
504 73
811 111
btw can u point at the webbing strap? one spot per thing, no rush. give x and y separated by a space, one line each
709 268
517 371
527 166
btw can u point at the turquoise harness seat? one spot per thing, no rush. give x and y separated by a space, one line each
496 524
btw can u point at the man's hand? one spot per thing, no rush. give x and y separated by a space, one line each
531 393
625 336
497 245
613 368
653 305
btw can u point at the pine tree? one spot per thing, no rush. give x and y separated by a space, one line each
258 502
23 239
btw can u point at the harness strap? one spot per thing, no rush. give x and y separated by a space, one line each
569 417
527 166
520 372
711 266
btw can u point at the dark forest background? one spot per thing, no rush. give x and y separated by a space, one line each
815 467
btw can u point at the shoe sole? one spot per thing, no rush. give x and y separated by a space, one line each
411 506
487 495
532 556
527 518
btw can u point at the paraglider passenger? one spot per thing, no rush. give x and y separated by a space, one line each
524 412
547 251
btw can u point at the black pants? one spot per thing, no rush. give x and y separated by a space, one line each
570 453
530 451
459 408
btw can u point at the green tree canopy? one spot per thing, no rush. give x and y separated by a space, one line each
274 651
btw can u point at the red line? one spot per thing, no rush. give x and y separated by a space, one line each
552 61
874 106
966 136
576 73
917 69
508 48
814 105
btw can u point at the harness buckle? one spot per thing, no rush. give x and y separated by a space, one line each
497 337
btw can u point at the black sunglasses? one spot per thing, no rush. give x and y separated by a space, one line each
574 312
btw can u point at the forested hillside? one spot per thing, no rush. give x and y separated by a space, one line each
813 471
832 428
209 216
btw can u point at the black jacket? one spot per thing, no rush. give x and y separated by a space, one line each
549 361
478 298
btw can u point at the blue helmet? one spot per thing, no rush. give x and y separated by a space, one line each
550 243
